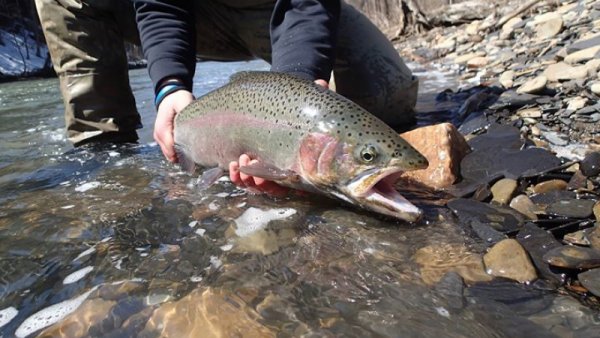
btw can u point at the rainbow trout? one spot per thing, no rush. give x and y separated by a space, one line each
304 136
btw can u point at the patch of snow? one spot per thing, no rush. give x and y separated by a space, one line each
11 62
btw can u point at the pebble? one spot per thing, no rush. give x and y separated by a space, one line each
595 88
590 165
524 205
508 259
530 113
534 85
503 190
573 257
583 55
562 71
577 237
593 236
574 208
477 62
548 25
591 280
547 186
462 59
507 79
577 103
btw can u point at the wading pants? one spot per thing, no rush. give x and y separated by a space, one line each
85 39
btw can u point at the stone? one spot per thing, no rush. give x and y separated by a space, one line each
463 59
548 186
593 236
562 71
573 257
584 44
451 288
534 85
573 208
596 211
508 259
592 67
507 79
509 27
577 238
206 312
78 323
583 55
579 181
477 62
524 205
534 113
444 147
499 217
538 242
548 25
590 165
576 103
595 88
591 281
437 260
487 233
473 27
503 190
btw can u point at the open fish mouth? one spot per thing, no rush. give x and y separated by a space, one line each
375 190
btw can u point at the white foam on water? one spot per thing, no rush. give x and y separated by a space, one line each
87 186
113 154
200 232
6 315
77 275
254 219
226 247
222 194
193 224
196 279
50 315
85 253
215 262
70 206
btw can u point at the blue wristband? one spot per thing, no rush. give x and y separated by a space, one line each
166 90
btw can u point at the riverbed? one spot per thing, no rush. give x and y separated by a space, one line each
115 241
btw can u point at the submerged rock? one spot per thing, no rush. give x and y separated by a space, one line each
591 280
508 259
524 205
573 257
590 165
503 190
572 208
538 242
547 186
501 218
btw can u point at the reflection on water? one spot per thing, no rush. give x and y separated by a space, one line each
115 242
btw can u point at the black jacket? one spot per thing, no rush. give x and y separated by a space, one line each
303 38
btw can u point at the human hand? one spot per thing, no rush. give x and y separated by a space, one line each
322 83
165 117
253 183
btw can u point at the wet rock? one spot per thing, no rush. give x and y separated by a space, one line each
498 136
451 287
482 193
573 257
579 181
547 198
577 237
507 79
590 165
508 259
503 190
548 25
206 313
520 299
500 218
547 186
534 85
437 260
524 205
593 235
562 71
583 55
487 233
444 147
573 208
78 323
537 242
591 280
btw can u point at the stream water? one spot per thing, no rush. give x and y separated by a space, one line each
116 242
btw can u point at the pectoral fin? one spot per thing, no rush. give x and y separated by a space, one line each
268 172
209 177
185 162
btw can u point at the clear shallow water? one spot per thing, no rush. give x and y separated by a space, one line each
117 242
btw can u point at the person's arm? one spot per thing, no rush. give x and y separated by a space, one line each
304 36
168 34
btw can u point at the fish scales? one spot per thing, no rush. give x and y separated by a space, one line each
294 125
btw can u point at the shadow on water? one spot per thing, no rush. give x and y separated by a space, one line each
115 242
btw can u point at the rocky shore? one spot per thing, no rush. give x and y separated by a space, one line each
528 105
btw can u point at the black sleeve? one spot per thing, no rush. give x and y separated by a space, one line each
168 35
304 36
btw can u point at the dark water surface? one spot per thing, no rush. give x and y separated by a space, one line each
115 242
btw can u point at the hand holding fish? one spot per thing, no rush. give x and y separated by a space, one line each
163 126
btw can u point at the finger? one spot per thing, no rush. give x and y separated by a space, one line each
234 174
322 83
247 179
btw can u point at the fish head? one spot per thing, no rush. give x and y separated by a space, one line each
361 166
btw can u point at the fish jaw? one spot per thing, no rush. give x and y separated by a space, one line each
374 190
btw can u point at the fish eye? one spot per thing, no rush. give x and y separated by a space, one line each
368 154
